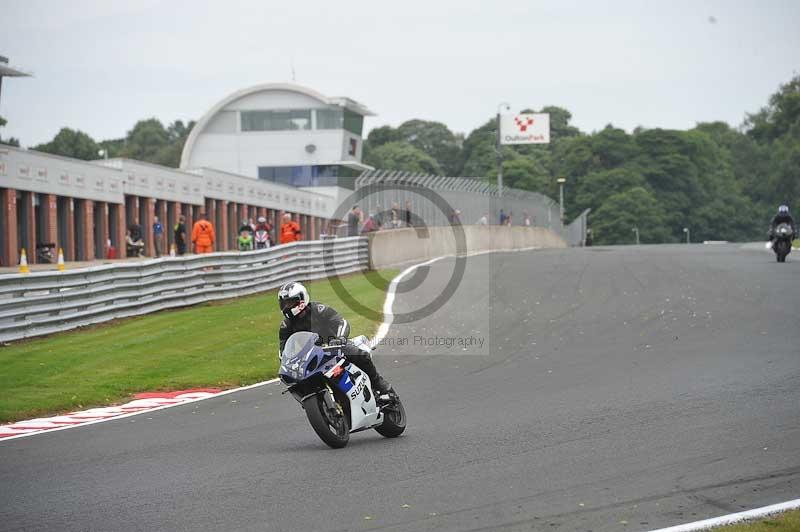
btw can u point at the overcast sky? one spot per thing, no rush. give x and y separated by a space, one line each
101 65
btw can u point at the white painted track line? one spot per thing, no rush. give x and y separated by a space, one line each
734 518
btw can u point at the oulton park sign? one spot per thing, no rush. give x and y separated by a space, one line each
525 128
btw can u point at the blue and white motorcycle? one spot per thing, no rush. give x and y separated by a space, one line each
336 395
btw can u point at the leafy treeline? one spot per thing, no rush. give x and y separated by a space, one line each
11 141
148 141
721 183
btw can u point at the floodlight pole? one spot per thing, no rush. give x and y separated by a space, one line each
561 181
688 235
499 151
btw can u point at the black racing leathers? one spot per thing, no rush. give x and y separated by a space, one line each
329 325
781 219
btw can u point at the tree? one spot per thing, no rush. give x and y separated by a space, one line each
478 156
11 141
612 147
71 143
146 140
559 123
435 139
525 173
614 221
597 187
382 135
150 141
403 156
432 138
780 116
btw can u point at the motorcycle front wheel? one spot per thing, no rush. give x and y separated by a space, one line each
330 422
394 420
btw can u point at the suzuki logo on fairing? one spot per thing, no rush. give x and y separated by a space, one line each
357 391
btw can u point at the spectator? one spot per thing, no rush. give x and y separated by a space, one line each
179 233
508 219
136 230
252 225
588 237
290 230
455 217
502 217
353 220
134 239
484 220
408 213
526 219
203 235
370 225
394 218
245 227
135 246
245 241
263 233
158 236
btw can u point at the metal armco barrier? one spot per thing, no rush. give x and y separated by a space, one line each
46 302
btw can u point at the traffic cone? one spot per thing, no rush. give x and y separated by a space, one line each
23 262
60 259
172 250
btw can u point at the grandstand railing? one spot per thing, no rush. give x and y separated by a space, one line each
46 302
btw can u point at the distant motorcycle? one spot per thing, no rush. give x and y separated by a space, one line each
782 243
337 396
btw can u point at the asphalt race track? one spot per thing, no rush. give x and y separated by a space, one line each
616 389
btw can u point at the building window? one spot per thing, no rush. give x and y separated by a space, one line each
293 120
353 122
301 176
329 118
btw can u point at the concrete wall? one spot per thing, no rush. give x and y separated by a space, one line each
398 246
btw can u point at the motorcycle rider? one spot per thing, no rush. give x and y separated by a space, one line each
304 315
783 217
262 225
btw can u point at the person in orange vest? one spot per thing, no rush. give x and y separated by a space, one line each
203 235
290 230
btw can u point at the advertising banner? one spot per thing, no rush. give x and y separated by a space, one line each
525 128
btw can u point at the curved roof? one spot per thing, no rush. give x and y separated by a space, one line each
289 87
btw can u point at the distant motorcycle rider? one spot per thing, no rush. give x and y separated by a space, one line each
304 315
783 217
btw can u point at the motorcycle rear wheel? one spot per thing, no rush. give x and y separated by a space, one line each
334 432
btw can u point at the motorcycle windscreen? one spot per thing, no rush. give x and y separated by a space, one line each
297 348
297 344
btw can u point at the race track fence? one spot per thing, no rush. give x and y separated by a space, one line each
472 197
41 303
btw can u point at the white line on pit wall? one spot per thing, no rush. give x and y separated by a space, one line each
734 518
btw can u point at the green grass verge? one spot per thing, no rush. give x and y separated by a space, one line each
785 522
223 344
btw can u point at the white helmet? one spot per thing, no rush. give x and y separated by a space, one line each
783 209
262 220
293 299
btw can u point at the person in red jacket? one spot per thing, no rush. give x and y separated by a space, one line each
290 230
